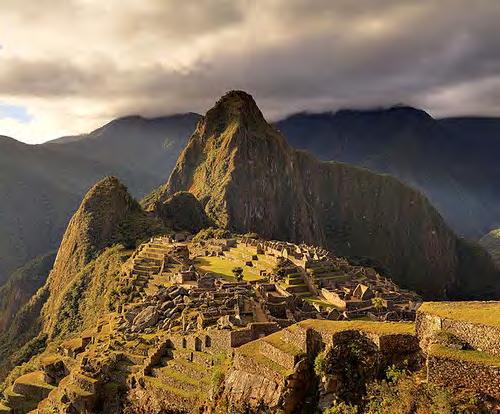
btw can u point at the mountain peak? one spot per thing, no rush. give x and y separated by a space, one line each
235 107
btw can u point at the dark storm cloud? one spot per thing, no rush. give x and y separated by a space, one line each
155 56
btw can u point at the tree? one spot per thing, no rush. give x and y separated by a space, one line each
238 273
378 304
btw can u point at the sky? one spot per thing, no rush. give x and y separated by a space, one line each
69 66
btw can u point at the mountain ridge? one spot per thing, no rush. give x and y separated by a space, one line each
440 157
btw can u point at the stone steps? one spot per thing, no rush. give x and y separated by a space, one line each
26 392
176 379
294 281
135 359
192 369
84 382
145 268
184 400
81 398
197 357
19 402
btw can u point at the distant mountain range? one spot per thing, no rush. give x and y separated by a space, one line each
453 161
42 185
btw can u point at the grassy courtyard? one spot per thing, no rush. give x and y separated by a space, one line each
223 267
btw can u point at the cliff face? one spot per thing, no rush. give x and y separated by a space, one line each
249 179
21 286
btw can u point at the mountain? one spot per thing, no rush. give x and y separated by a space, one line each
491 242
248 178
453 161
107 216
42 185
100 237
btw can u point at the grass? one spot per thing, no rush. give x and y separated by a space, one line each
182 393
477 357
277 342
178 376
487 313
316 299
35 378
78 391
223 267
252 350
378 328
4 408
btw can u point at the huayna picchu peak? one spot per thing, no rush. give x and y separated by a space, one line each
249 179
258 279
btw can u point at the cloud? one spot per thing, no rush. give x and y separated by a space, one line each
75 64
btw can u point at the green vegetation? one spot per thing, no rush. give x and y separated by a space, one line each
340 407
223 267
486 313
156 383
211 233
378 328
87 297
378 304
238 273
449 340
477 357
319 364
284 346
22 284
408 394
252 350
491 242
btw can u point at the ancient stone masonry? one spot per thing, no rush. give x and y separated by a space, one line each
462 343
351 289
275 371
180 316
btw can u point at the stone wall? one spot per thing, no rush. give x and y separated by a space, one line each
478 336
252 332
460 373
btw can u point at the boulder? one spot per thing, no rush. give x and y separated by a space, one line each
146 319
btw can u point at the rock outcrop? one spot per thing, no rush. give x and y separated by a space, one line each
491 242
182 211
249 179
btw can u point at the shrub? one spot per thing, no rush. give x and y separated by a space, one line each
339 407
393 374
238 273
320 364
408 395
211 233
